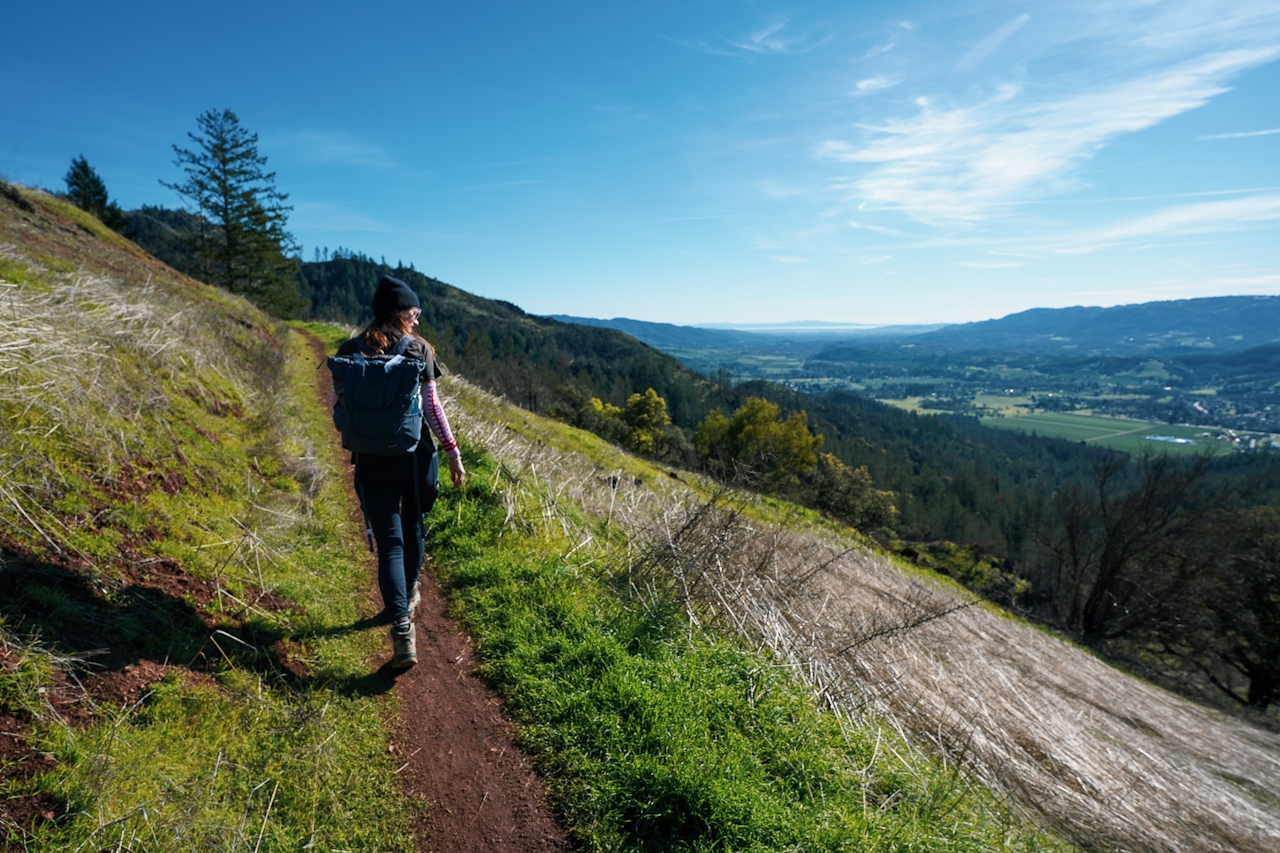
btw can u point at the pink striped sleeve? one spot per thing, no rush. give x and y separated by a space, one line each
436 418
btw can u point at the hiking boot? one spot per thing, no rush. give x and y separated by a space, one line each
415 597
404 646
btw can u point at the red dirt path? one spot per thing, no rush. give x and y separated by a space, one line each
482 793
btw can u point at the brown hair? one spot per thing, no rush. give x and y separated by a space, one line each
379 336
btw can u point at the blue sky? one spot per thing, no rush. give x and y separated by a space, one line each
700 162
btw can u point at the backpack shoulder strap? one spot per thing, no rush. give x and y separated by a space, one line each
397 349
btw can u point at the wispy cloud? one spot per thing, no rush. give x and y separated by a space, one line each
880 229
989 265
963 149
874 84
787 259
1244 135
769 38
339 149
991 43
1205 217
954 164
880 48
878 260
704 47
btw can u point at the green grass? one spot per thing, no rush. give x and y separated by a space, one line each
210 456
1116 433
654 735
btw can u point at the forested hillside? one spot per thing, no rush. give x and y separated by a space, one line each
534 361
955 480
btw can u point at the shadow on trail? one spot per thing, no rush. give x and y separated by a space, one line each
376 683
112 620
378 620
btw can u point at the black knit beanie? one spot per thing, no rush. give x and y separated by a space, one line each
393 295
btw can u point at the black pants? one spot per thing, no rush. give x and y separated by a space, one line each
394 513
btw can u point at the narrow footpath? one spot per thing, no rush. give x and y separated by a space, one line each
453 742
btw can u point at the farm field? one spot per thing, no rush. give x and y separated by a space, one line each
1123 434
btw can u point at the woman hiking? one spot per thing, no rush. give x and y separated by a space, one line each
390 487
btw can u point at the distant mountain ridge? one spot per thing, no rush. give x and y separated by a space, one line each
669 336
1222 323
1215 323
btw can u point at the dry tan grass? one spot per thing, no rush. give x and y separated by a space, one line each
1112 762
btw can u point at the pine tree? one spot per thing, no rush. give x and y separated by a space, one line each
89 193
242 243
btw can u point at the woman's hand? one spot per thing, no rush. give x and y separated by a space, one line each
456 472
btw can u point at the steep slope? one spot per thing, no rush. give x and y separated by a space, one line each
1110 761
185 631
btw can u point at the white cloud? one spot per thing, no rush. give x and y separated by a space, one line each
1205 217
990 265
991 43
954 165
878 260
1244 135
879 49
880 229
790 260
703 47
874 84
767 39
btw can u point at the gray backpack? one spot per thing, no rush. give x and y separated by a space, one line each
378 410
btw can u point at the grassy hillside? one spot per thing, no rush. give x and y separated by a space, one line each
182 661
591 578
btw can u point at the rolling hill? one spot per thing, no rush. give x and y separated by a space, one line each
1212 323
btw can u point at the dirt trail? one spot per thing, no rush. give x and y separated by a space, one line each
453 740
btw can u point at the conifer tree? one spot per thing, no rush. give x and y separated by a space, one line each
88 192
242 243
